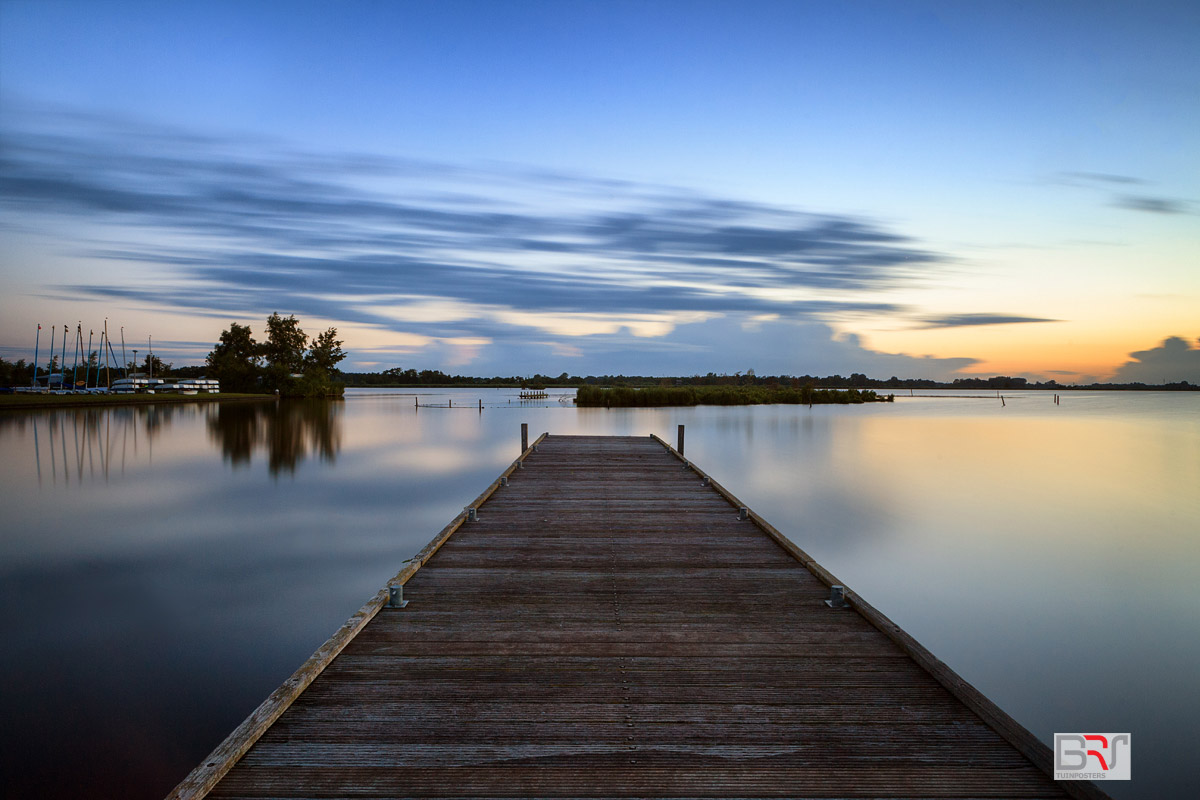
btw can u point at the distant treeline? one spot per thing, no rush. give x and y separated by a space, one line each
20 374
432 377
655 396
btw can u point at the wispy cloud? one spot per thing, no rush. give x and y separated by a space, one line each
1102 178
968 320
1153 205
1107 182
248 226
494 265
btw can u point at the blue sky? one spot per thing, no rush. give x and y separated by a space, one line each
919 189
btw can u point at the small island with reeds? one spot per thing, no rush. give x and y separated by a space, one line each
658 396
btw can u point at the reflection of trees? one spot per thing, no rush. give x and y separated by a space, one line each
287 430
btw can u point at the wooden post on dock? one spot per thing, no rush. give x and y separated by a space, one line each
680 447
524 436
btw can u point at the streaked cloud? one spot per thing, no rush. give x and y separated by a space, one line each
1107 182
249 226
968 320
1102 178
454 265
1153 205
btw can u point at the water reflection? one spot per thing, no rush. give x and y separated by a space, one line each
287 431
90 444
158 579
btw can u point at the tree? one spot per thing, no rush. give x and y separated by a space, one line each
235 360
325 353
15 374
156 367
284 348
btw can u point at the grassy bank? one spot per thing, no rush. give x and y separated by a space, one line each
14 402
626 397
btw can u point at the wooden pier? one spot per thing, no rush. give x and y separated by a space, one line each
606 621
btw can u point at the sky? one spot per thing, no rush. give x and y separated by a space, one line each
918 189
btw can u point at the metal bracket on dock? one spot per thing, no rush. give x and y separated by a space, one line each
472 514
743 512
707 481
396 597
687 465
504 480
837 598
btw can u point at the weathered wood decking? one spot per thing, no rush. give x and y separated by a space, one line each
608 627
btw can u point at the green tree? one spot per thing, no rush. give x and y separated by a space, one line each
156 367
235 360
325 353
284 347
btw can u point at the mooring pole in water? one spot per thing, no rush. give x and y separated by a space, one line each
524 436
680 447
481 405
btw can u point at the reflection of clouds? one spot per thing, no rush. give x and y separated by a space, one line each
444 458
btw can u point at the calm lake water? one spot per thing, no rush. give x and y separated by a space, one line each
163 569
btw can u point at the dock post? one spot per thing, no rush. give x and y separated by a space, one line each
524 436
680 447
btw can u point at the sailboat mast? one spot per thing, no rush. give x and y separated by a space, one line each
107 374
125 363
87 372
78 344
150 339
62 362
36 343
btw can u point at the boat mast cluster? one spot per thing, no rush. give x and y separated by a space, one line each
104 362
